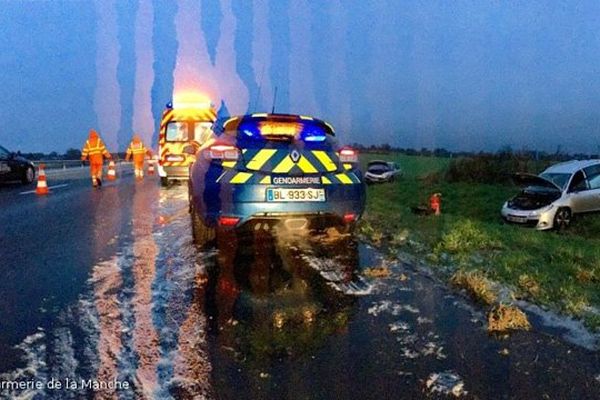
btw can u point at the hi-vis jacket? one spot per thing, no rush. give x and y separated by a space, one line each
138 150
95 149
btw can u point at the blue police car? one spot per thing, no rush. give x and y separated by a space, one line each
263 171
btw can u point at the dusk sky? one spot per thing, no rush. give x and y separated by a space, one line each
464 75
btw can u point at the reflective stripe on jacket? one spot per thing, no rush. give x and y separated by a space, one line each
98 149
136 148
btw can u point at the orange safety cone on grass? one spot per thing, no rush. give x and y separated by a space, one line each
435 203
111 174
42 185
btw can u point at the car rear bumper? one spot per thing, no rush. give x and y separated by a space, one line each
248 202
179 172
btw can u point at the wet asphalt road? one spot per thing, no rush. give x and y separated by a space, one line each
106 285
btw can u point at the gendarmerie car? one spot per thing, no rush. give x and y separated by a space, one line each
265 170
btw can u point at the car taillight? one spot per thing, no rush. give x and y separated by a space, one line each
228 221
349 218
174 158
348 155
223 152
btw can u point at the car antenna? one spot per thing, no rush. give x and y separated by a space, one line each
254 107
274 100
256 100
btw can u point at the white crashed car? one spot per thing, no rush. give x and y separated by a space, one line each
551 199
382 171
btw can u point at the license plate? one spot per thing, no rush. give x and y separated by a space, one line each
291 195
520 220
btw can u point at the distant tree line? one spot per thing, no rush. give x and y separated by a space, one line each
504 152
70 154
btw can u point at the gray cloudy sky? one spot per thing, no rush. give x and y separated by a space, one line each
465 75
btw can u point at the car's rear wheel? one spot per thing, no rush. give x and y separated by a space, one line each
28 176
164 181
563 218
203 235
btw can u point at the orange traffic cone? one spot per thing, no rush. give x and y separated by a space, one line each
111 175
42 185
151 167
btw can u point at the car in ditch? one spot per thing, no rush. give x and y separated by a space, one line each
551 199
379 171
13 167
263 171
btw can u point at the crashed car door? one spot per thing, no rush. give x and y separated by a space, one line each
593 180
581 197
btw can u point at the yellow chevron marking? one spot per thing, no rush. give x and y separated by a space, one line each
266 180
347 166
284 166
324 159
228 164
260 159
344 179
241 177
306 166
325 180
192 114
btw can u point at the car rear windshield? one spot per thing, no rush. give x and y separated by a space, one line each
379 168
179 131
279 128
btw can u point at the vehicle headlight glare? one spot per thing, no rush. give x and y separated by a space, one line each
540 211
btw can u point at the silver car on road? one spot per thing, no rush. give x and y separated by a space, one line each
551 199
382 171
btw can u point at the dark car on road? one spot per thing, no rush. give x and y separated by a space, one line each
267 170
13 167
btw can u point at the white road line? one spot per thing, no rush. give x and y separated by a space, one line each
49 187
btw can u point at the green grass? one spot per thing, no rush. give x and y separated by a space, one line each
557 270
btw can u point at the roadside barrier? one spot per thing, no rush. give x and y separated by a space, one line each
42 185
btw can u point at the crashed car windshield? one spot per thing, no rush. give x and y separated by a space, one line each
559 180
379 168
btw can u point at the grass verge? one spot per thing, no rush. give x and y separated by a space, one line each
559 271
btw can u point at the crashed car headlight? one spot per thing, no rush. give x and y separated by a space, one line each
538 212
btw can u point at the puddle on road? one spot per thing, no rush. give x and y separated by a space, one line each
276 316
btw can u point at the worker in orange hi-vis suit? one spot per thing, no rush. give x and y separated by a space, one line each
137 151
95 150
